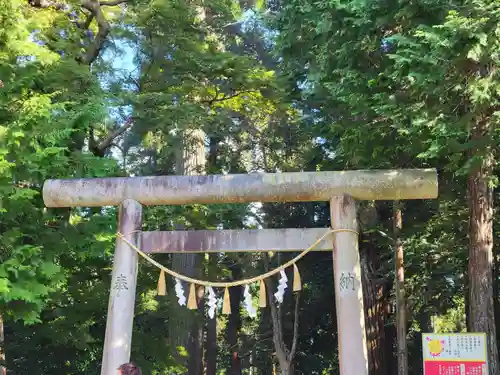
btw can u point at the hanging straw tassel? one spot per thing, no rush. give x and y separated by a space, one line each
192 305
297 282
262 294
162 284
226 304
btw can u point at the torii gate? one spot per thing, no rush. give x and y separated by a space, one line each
341 189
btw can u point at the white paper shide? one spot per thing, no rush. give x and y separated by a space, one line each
250 308
211 302
282 285
179 292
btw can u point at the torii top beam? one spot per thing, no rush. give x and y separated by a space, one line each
242 188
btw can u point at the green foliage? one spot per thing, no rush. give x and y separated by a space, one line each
41 115
404 86
307 86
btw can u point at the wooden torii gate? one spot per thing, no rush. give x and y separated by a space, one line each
341 189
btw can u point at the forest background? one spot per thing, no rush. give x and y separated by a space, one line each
94 88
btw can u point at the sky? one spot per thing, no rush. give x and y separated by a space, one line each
124 61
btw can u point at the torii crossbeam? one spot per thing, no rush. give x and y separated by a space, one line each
341 189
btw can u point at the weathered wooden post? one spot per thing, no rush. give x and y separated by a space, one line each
353 356
242 188
119 324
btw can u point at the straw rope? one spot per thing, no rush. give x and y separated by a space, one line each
229 284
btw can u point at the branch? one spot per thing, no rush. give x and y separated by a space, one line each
85 25
295 329
102 146
112 3
118 147
103 30
279 345
227 97
94 7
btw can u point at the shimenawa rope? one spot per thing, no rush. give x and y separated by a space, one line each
229 284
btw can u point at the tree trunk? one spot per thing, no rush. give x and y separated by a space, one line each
213 153
262 360
195 347
211 326
390 342
376 291
402 350
480 195
184 328
496 289
211 347
374 302
192 160
467 304
285 371
234 324
284 354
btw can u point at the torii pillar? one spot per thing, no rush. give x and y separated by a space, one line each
341 189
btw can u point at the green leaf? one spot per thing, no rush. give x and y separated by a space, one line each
475 52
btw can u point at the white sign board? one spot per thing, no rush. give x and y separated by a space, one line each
454 354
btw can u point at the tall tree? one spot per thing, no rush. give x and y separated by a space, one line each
234 321
187 331
401 332
415 73
469 61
